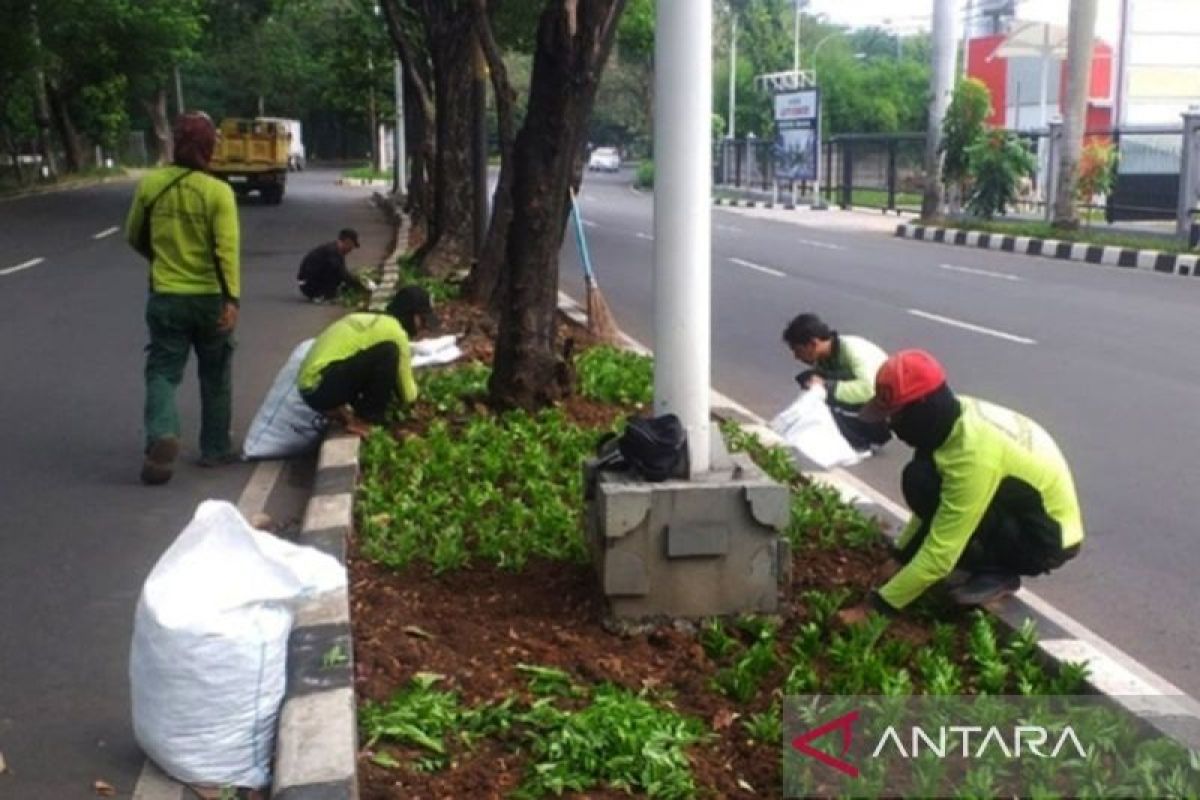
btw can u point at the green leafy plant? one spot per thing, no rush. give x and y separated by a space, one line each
644 177
998 162
962 128
611 375
334 657
419 715
716 641
742 680
765 727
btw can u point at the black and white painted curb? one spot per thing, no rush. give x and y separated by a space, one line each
317 743
788 205
1113 673
1106 255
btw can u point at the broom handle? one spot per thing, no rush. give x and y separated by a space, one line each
581 241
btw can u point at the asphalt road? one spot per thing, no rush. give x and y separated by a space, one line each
78 532
1103 358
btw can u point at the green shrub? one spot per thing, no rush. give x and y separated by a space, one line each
612 375
998 162
644 179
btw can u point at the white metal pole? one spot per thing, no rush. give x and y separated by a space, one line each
966 40
401 144
796 39
682 224
733 75
943 85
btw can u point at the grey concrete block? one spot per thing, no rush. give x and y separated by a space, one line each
625 576
311 663
330 790
335 480
697 540
770 503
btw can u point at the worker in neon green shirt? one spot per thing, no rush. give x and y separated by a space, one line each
185 222
360 363
845 366
991 494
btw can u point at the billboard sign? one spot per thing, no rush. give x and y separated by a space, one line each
797 135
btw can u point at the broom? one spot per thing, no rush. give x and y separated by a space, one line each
600 319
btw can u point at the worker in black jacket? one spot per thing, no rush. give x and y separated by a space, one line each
323 271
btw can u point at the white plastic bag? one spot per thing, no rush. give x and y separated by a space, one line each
285 425
442 350
208 664
808 425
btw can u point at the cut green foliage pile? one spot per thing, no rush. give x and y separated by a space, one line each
616 376
439 290
575 738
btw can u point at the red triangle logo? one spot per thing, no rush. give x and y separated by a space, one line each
844 724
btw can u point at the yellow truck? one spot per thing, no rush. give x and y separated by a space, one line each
252 156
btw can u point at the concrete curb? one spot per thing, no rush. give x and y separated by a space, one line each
1105 255
363 182
66 187
316 749
787 205
1119 677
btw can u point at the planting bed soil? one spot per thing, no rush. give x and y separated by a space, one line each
484 667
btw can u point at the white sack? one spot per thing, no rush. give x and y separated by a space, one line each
808 425
285 425
208 665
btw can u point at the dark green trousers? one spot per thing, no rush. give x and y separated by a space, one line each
179 323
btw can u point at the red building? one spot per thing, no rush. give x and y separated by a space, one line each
1016 82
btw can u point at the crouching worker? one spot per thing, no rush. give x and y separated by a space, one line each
360 363
846 366
991 494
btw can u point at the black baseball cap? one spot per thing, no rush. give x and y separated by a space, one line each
410 302
349 233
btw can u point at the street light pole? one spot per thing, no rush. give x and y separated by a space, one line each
818 202
796 38
733 75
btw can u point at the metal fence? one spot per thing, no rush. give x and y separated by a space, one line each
886 171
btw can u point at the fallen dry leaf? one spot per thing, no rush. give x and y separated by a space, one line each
3 766
742 784
723 719
420 633
103 788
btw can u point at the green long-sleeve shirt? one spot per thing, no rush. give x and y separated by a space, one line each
354 333
987 444
194 231
849 372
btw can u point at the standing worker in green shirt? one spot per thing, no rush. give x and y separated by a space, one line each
185 222
990 492
359 363
846 367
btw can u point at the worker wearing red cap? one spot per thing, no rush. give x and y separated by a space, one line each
991 494
185 223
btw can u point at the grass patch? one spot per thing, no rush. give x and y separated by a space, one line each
643 177
1044 230
368 172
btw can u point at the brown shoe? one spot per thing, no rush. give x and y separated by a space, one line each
160 460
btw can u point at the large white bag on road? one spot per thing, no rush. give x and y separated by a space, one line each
808 425
285 425
208 665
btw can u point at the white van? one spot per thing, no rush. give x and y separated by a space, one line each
296 147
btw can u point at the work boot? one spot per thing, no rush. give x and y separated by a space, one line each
985 587
218 461
160 461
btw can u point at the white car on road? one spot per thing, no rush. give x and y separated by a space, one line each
605 159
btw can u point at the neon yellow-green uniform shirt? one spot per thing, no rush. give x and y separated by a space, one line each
850 371
194 231
987 444
352 334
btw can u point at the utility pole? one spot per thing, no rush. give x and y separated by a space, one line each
1121 83
966 40
682 220
943 85
796 36
48 167
399 176
1081 32
179 93
733 73
479 144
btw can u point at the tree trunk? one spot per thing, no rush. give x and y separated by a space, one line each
573 43
156 108
451 239
1079 57
481 286
67 133
11 148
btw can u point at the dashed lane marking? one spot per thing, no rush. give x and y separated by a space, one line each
967 326
758 267
33 262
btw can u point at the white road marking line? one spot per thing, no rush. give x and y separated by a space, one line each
33 262
819 245
983 273
106 232
758 267
732 228
153 784
258 489
969 327
645 236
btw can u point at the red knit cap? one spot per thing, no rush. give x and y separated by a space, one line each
904 378
195 138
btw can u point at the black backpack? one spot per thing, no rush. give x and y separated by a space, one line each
656 447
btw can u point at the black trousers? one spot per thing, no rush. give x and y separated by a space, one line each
859 434
365 381
1015 536
320 289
